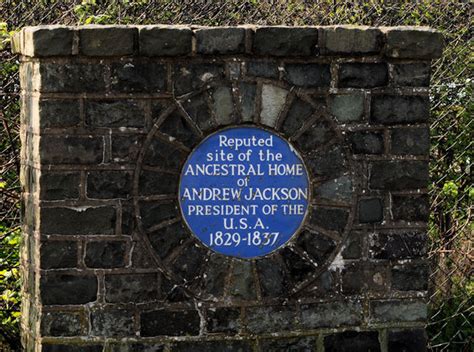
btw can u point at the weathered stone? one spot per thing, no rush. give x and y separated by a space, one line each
71 149
198 109
299 268
224 320
71 77
363 75
366 142
396 109
62 324
217 345
188 78
135 288
109 184
247 100
371 210
234 69
273 100
155 183
113 322
243 283
300 111
164 155
270 319
165 40
353 246
66 289
398 175
407 245
410 277
58 254
170 323
58 113
352 341
339 189
351 40
413 43
125 148
398 311
178 128
285 41
189 262
296 344
347 107
407 340
315 136
107 40
318 246
308 75
410 141
72 348
173 293
361 277
323 287
137 347
327 164
223 105
332 314
412 75
105 254
115 113
149 77
47 41
410 207
221 40
217 270
59 185
166 239
153 213
274 280
334 219
266 69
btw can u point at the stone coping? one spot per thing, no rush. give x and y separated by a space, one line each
403 42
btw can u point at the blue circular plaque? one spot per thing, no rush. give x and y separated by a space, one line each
244 192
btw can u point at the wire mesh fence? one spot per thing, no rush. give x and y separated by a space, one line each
451 290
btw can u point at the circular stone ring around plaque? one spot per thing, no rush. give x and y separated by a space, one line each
244 192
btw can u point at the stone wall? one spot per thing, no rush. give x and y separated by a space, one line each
110 114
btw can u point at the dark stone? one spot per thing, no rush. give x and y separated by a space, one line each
188 78
171 323
230 40
174 293
130 77
135 288
352 341
353 246
114 113
165 40
299 112
107 40
399 175
410 141
327 164
318 246
137 347
125 148
105 254
48 41
78 221
398 311
363 75
208 346
216 273
370 210
71 149
189 262
347 108
285 41
363 142
315 136
153 213
410 207
178 127
410 277
72 77
274 280
351 40
297 344
396 109
266 69
71 348
242 281
223 104
66 289
414 43
333 219
225 320
109 184
58 254
408 245
113 322
62 324
324 286
332 314
308 75
247 100
198 109
164 155
338 189
270 319
412 75
168 238
299 268
407 340
363 277
59 185
155 183
58 113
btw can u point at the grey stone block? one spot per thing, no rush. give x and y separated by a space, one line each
223 320
397 109
128 77
198 109
410 141
165 40
353 245
366 142
334 219
71 77
114 113
109 184
316 245
180 129
170 323
407 340
371 210
153 212
220 40
331 314
58 113
296 344
412 75
59 185
339 189
393 245
112 322
217 345
243 284
47 41
137 347
410 208
361 277
266 69
62 323
399 175
300 111
105 254
125 148
72 348
190 77
299 268
58 254
66 289
285 41
273 101
66 149
308 75
327 164
413 43
134 288
410 277
270 319
216 273
166 239
351 40
347 108
274 279
164 155
190 262
398 311
223 105
352 341
363 75
156 183
107 40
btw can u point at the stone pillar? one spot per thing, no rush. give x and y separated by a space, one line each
110 114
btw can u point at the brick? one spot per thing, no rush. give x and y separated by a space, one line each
407 340
398 175
128 77
274 279
332 314
168 238
71 77
179 128
399 109
410 141
155 183
112 322
65 289
107 40
58 254
371 210
266 69
78 221
316 245
115 113
351 40
392 245
352 341
109 184
410 277
366 142
296 344
105 254
59 185
46 347
165 40
410 208
412 75
361 277
170 323
347 107
218 345
334 219
285 41
270 319
71 149
58 113
398 311
413 43
47 41
223 320
337 189
308 75
362 75
300 111
134 288
220 40
190 77
62 324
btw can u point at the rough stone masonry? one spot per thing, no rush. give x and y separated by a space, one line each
111 113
